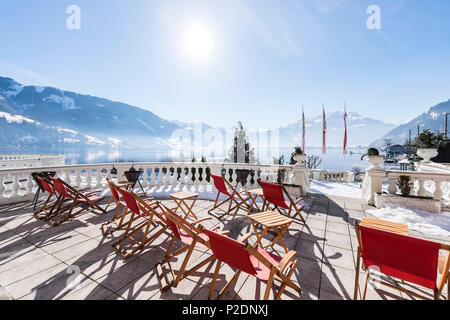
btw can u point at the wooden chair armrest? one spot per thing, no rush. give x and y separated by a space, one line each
224 233
286 259
245 237
201 220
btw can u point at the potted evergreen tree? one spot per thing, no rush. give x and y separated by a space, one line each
428 144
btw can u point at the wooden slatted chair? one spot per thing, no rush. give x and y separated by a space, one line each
144 215
402 257
234 199
48 207
76 198
119 219
189 234
274 194
255 261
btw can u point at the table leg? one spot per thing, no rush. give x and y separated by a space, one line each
280 237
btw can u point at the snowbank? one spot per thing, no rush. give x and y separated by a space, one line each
348 190
421 221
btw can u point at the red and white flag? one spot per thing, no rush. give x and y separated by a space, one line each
345 134
324 148
304 132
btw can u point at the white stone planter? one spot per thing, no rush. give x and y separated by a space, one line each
301 159
427 153
376 161
414 203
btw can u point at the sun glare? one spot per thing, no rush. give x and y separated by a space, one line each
198 42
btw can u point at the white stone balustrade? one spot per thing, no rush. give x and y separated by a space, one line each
332 176
17 185
426 184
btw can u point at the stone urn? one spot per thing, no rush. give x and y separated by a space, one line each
376 161
427 153
300 158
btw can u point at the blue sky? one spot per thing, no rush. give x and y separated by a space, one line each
267 58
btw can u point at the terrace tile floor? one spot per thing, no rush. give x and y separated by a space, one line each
38 262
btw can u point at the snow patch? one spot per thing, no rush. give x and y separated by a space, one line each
421 221
39 89
13 91
15 118
348 190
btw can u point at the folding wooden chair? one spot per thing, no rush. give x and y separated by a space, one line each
144 213
255 261
87 201
118 219
239 199
274 194
47 209
402 257
189 234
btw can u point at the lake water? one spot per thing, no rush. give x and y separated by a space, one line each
333 160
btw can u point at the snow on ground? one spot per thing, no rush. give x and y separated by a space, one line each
348 190
421 221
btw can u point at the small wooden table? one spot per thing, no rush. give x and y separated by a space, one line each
180 199
398 228
254 194
271 220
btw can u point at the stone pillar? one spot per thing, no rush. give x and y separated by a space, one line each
301 174
373 181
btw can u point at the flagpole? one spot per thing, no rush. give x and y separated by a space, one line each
346 138
324 137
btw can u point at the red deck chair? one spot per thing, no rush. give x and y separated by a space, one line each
274 194
87 201
254 261
118 219
189 234
237 198
402 257
45 212
144 213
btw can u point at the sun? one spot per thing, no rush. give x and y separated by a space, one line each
198 42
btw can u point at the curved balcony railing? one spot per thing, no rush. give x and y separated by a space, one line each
10 161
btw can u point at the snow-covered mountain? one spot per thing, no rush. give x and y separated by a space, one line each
432 119
361 130
93 116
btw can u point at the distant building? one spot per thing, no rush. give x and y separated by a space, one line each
395 151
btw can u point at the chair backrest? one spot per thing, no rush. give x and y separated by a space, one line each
219 183
45 185
274 194
113 189
130 201
403 257
230 251
60 187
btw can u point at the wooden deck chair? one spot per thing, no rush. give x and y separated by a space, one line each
402 257
255 261
233 197
75 198
274 194
143 216
117 219
189 234
47 208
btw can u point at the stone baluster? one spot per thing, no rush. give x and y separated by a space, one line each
152 177
30 184
145 177
421 191
15 186
438 193
2 186
98 178
392 186
77 178
88 178
189 176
